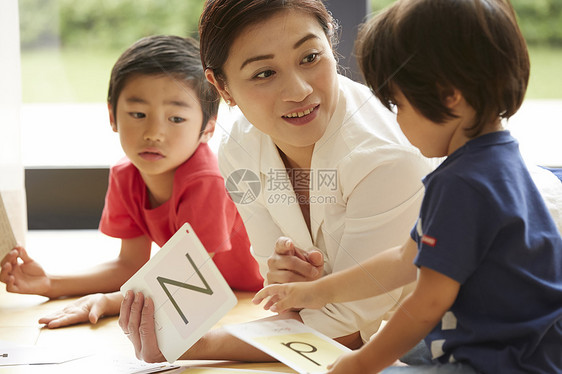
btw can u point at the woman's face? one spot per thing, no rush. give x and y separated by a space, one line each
282 75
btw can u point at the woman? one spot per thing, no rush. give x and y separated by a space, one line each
338 181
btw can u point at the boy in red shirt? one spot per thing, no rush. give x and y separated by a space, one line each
165 112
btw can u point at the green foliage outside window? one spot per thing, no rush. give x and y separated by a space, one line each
540 20
104 24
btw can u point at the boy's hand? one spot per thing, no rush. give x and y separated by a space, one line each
136 319
349 363
283 297
27 277
88 308
291 264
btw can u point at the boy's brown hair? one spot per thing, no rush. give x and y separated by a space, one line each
427 47
165 55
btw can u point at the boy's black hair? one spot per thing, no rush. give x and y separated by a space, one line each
427 47
173 56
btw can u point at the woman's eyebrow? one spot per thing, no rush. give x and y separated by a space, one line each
269 56
256 58
304 39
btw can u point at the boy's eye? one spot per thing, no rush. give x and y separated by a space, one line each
177 119
264 74
137 115
310 58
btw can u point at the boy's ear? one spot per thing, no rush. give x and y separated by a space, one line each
219 85
451 97
111 118
209 130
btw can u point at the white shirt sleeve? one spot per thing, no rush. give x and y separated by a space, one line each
262 230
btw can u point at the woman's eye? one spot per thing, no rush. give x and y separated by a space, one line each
177 119
310 58
265 74
137 115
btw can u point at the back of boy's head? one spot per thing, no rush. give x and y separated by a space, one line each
173 56
427 47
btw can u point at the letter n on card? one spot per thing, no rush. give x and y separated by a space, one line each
190 294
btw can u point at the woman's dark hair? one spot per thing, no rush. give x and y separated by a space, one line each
427 47
222 21
173 56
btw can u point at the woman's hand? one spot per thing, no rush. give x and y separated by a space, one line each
88 308
291 264
25 276
136 319
283 297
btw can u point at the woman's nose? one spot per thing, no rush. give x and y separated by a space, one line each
296 87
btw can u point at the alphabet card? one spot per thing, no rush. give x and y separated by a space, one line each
296 345
7 238
190 294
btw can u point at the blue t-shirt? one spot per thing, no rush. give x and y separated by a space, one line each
484 224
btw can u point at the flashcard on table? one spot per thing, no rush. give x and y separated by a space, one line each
296 345
7 238
190 294
214 370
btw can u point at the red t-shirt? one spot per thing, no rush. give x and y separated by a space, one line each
200 198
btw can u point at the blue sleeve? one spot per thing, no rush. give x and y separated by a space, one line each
456 226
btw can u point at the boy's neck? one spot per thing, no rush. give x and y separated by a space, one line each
159 189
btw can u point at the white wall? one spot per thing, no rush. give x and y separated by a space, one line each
12 184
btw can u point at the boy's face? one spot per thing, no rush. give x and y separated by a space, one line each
432 139
158 119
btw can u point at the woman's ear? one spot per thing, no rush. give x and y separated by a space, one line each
111 118
209 130
219 85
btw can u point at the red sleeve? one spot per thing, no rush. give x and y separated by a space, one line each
116 219
207 207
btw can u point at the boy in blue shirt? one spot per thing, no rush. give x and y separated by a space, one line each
485 251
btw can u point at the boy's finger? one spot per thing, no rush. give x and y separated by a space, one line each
5 273
95 314
265 293
10 257
23 254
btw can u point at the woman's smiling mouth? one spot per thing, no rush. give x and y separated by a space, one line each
301 117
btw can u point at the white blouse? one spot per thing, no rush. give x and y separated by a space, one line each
365 194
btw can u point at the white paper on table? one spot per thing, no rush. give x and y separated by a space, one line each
293 343
214 370
190 294
7 238
33 355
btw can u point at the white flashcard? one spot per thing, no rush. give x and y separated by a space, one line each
293 343
215 370
7 238
190 294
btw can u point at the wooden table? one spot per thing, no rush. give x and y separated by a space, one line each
18 325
